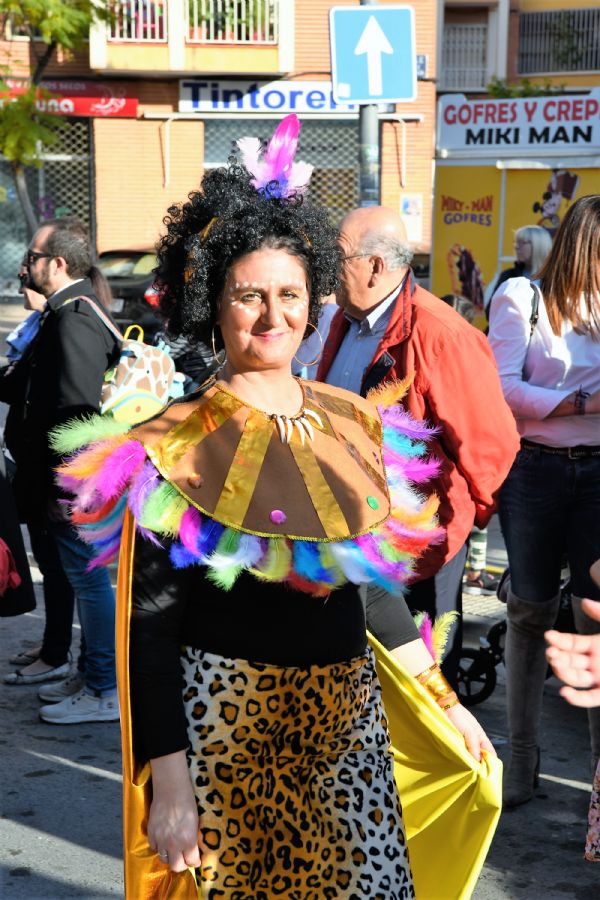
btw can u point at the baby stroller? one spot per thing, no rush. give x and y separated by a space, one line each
476 674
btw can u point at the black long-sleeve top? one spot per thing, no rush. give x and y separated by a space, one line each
255 620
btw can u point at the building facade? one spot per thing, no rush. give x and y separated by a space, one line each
507 161
167 87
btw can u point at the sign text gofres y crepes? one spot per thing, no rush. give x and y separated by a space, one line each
534 124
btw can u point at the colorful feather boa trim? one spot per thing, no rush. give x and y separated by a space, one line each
114 472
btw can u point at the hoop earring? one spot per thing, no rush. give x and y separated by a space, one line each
220 362
319 354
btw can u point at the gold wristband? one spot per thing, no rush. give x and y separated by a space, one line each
436 685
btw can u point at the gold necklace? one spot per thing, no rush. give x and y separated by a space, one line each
285 424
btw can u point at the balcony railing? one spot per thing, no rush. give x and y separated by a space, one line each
232 21
139 21
559 41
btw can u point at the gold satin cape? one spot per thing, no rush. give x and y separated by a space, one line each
450 803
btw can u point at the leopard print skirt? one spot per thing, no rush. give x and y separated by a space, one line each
294 781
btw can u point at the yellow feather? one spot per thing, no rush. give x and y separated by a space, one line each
441 630
277 563
425 516
390 392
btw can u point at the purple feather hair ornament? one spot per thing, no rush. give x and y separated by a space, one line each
275 172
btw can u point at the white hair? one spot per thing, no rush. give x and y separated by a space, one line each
541 244
394 252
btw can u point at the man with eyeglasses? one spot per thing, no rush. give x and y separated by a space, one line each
390 327
58 378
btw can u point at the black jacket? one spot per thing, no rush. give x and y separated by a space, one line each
515 271
58 378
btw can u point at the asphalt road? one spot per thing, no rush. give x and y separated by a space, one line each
60 822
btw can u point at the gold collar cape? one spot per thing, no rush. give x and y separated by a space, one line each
228 461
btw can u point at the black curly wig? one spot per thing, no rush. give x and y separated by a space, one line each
192 268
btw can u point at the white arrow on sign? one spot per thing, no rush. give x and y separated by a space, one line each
373 42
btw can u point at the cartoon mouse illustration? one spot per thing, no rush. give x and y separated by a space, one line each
562 186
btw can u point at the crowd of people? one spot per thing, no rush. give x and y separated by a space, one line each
274 529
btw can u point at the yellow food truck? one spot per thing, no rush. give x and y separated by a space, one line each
501 165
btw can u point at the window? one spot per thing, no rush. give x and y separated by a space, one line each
559 41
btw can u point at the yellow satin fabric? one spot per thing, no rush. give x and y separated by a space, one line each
450 803
205 419
244 471
146 878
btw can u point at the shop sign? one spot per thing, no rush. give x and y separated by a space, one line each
205 95
76 98
527 123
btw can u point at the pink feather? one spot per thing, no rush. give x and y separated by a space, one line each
119 468
414 468
368 545
399 419
282 147
189 529
426 632
277 163
108 555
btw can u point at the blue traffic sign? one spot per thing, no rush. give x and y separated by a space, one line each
373 54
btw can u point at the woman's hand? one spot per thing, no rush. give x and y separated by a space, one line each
173 820
575 659
474 736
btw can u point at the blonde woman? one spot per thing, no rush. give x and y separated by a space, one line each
532 246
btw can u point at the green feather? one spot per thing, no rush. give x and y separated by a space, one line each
78 433
163 510
418 619
223 578
389 552
229 542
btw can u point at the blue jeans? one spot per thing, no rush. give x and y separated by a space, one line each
95 607
549 510
59 599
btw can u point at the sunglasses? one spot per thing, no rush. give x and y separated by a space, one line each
32 256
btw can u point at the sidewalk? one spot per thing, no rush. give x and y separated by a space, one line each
60 831
60 825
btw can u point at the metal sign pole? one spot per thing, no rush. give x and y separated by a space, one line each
368 147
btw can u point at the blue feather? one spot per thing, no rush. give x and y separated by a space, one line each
401 444
307 562
181 557
209 538
115 515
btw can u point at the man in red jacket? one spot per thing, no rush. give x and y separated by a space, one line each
390 327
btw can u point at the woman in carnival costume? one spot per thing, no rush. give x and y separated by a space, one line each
257 753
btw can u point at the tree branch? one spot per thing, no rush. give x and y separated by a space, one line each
43 62
23 194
